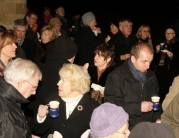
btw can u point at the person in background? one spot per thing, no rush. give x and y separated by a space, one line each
123 41
60 13
132 85
103 65
109 121
167 59
144 35
45 18
48 36
76 106
57 24
87 39
152 130
7 48
28 46
19 82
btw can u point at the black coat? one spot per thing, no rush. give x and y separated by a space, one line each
29 48
124 90
75 125
12 120
87 43
50 77
121 46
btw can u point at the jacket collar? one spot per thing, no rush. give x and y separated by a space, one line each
10 93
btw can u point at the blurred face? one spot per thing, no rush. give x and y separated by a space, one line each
20 31
47 12
113 28
145 33
92 24
45 37
64 87
61 11
143 62
32 19
169 34
100 62
126 28
58 27
28 88
123 132
9 51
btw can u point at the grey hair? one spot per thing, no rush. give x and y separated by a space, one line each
124 20
20 22
21 69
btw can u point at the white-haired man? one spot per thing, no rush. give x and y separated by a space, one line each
20 81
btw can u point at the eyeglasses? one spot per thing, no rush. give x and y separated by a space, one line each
33 87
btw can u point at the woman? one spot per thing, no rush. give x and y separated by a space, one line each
103 65
143 34
48 36
7 48
76 106
114 29
167 59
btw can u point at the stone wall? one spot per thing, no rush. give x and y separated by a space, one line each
11 10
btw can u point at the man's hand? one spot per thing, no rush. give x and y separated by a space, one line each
146 106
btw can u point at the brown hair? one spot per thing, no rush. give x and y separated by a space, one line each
7 37
106 51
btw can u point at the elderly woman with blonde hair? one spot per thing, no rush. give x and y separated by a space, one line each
76 106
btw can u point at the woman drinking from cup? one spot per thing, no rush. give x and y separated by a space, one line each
75 108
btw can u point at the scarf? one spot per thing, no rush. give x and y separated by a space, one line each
47 18
138 75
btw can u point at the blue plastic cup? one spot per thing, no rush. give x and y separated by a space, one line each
155 100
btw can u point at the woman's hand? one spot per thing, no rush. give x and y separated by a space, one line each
42 111
170 54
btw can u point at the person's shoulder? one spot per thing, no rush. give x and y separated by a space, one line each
92 102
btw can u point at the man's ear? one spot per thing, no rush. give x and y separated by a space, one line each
133 59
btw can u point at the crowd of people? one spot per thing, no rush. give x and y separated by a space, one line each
44 59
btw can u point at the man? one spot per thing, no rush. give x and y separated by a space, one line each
20 81
60 13
133 84
31 18
28 46
123 41
86 39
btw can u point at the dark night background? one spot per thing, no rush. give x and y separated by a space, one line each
157 14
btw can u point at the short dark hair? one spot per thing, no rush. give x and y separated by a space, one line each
21 22
2 28
106 51
29 13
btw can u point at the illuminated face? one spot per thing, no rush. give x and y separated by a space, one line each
32 19
145 33
169 34
20 31
8 51
61 11
114 29
64 88
142 63
45 37
126 28
100 62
